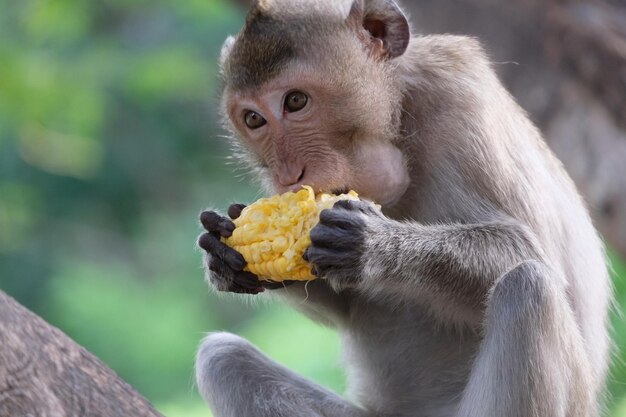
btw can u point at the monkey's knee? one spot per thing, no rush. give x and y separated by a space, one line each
523 295
532 361
221 362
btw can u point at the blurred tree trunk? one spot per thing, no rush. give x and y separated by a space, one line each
565 62
45 374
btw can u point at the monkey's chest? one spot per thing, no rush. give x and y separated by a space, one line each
402 362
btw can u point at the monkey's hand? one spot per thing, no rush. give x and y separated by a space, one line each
339 241
224 264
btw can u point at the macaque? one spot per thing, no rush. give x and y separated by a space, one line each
479 290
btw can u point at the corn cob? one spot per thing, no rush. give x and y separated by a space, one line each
273 233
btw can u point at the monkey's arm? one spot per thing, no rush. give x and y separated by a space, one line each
450 267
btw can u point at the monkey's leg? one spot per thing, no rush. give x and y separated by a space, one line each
531 361
237 380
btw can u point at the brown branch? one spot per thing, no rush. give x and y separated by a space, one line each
45 373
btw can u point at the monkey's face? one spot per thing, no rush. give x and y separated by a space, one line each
307 129
314 100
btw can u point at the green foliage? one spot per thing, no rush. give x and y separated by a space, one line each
130 324
109 149
17 214
617 378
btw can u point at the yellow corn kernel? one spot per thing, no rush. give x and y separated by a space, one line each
273 233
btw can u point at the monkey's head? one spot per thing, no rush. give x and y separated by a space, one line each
310 91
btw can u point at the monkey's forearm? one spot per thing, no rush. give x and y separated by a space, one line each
449 265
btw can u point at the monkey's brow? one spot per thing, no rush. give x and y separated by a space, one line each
266 45
261 52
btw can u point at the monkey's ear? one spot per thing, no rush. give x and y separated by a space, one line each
385 24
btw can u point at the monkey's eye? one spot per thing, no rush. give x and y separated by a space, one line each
254 120
295 101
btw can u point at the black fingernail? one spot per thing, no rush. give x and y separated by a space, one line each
314 271
305 255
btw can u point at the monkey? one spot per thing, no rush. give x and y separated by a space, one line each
479 289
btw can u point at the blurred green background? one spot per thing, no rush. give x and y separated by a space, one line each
109 148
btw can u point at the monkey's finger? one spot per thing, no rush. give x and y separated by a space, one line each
355 205
223 271
234 211
213 222
334 237
231 257
341 218
243 279
247 280
325 258
237 282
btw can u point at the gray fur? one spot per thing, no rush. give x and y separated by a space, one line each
244 382
263 39
482 292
